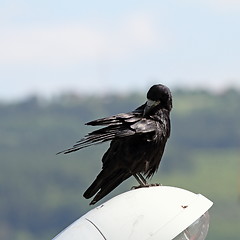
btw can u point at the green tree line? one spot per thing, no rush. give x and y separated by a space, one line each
41 192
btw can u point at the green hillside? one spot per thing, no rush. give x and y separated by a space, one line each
41 192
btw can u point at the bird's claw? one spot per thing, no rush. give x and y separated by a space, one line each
146 185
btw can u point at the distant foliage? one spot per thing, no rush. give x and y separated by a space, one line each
40 193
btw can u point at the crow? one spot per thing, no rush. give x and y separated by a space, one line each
138 139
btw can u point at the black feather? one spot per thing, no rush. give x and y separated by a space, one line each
137 140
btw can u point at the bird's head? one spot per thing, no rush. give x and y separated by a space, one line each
158 96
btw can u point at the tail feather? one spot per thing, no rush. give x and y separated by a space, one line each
103 186
95 186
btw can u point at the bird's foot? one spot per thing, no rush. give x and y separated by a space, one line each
147 185
155 185
136 187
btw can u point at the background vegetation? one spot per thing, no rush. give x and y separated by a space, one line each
41 193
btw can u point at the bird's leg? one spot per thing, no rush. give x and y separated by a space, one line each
140 179
143 183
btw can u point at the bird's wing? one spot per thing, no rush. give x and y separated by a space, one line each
116 119
119 126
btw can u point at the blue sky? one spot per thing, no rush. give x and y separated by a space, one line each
49 47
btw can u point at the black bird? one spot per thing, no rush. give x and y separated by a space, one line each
137 138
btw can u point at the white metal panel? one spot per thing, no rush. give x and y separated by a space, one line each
152 213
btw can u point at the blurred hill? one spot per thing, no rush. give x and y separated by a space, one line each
41 193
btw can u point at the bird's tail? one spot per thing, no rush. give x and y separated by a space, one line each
105 183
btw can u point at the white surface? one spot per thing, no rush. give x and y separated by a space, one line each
80 229
147 213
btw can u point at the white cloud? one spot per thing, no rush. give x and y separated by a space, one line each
226 5
72 42
228 2
222 6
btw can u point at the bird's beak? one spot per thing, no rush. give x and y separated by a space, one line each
150 105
